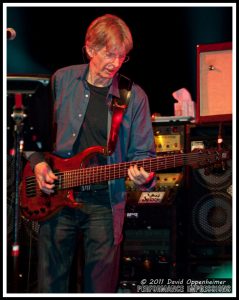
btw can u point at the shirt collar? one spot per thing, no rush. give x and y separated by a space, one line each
114 89
83 71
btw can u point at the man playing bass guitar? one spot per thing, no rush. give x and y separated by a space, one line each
83 96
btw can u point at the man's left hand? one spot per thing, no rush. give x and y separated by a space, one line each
139 176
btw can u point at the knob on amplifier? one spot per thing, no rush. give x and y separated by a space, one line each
168 138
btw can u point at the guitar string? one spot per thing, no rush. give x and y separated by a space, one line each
95 170
85 176
101 171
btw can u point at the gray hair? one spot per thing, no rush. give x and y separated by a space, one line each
109 30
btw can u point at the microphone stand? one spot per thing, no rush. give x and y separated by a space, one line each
18 115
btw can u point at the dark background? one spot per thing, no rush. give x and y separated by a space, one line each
162 61
165 39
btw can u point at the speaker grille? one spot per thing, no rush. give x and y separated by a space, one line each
218 179
212 217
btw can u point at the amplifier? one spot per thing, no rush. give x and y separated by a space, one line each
148 210
149 245
146 254
150 227
168 138
165 189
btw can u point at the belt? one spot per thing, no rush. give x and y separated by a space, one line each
91 187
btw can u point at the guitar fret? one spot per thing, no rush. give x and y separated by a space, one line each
74 177
84 176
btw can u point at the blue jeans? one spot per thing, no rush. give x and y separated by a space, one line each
57 243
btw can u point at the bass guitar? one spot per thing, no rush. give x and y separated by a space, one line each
37 205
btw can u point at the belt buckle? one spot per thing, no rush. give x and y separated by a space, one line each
85 188
93 187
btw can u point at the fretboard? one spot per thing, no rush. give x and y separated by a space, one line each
97 174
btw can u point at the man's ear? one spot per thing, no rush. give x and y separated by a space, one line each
89 51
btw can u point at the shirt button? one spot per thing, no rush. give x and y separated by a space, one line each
80 115
86 95
73 134
69 153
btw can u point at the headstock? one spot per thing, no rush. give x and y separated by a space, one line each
211 159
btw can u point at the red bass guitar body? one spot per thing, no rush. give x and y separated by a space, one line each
37 205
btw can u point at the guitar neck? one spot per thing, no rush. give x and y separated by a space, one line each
36 205
97 174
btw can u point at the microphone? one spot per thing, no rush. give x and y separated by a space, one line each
11 34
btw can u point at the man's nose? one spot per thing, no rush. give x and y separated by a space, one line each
117 61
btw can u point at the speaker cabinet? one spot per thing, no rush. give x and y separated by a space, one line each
209 201
214 83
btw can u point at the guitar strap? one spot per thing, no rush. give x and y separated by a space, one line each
119 106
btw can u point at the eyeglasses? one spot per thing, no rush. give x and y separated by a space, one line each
112 56
107 55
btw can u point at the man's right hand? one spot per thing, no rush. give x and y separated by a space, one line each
45 177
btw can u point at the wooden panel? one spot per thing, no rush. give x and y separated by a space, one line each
214 83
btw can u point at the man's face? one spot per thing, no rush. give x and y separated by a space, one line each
105 62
